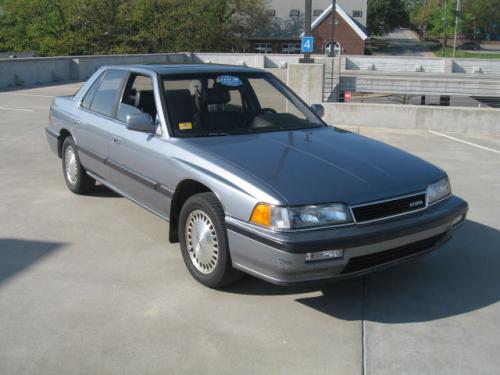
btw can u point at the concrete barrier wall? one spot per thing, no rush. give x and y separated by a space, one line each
409 64
467 120
418 84
20 72
85 66
243 59
42 70
476 66
396 64
30 71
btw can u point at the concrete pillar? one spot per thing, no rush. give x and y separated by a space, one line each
447 65
307 81
260 61
74 69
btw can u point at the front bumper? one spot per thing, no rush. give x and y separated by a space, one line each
280 257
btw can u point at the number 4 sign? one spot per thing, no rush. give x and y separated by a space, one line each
307 45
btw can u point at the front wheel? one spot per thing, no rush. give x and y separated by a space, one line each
203 240
77 180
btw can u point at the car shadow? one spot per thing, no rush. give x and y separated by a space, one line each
17 255
460 277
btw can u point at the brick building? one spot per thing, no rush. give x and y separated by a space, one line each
348 33
287 26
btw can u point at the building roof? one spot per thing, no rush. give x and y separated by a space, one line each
344 16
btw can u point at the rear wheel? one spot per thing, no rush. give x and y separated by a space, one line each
77 180
203 240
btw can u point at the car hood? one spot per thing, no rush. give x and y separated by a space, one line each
323 165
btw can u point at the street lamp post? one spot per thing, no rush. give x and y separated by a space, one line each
445 20
307 30
334 23
457 19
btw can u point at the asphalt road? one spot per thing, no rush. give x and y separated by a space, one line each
90 285
405 42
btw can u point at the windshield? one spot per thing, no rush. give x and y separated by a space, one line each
226 103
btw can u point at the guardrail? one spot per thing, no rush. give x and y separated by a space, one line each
420 76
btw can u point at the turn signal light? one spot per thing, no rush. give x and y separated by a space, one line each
261 215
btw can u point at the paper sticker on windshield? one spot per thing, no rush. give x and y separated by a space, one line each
229 81
185 126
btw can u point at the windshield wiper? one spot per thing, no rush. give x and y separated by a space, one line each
210 134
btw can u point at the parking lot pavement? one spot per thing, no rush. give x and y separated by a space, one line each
89 284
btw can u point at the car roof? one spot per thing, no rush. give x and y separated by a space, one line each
188 68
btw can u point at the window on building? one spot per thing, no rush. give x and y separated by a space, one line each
294 13
271 12
357 13
317 12
262 48
290 48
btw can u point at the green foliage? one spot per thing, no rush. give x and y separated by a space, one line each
442 21
385 15
448 52
482 14
428 16
74 27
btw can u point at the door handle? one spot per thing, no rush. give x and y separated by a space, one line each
117 140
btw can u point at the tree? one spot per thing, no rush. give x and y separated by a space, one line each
428 16
442 21
386 15
481 14
68 27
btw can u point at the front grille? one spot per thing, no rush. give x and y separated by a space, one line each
389 208
371 260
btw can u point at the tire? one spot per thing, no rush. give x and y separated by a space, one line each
211 263
77 180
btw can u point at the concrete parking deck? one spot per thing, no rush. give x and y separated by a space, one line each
90 285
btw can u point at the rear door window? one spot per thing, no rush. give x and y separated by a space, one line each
106 96
87 99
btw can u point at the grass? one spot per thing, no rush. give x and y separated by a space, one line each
448 52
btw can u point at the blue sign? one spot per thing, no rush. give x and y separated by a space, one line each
229 81
307 45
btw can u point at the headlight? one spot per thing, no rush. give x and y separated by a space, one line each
438 190
283 218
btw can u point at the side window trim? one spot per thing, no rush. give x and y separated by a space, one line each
119 97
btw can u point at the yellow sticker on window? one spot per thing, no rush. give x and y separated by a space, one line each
185 126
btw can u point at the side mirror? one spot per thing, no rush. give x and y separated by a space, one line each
140 122
318 109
